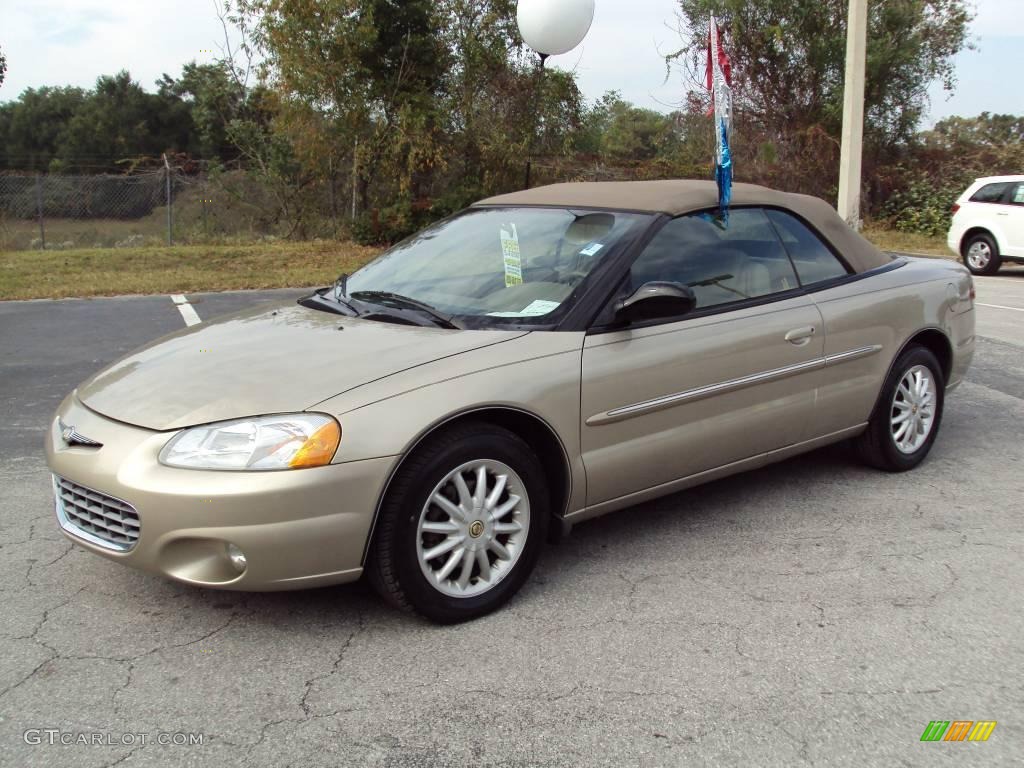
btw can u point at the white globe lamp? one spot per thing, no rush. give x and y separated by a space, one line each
554 27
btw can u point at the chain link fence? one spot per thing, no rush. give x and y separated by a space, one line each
192 205
97 211
160 207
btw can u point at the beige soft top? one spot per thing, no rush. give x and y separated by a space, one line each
677 197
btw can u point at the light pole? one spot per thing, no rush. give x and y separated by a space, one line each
551 28
853 114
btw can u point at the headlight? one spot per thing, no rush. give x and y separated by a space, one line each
291 441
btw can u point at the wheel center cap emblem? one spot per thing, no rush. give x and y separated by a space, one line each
476 528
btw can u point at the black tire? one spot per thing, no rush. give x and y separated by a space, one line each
877 445
995 261
393 566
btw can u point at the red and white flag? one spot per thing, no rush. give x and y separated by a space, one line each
718 59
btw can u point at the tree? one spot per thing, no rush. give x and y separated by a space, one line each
34 127
441 96
501 108
213 99
119 122
368 67
935 168
984 132
620 131
788 68
3 66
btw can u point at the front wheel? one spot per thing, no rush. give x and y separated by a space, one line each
462 524
906 419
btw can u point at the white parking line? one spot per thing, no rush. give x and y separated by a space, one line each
188 312
1000 306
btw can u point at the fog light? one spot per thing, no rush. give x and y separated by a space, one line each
237 558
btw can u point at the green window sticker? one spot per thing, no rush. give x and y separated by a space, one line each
512 256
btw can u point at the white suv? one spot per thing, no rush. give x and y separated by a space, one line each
988 224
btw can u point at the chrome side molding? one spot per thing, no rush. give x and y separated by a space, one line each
710 390
853 354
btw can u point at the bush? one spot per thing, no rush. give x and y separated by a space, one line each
383 226
922 206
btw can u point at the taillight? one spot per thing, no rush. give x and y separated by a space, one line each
973 294
956 207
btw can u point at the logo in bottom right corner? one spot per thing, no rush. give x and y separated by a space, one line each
958 730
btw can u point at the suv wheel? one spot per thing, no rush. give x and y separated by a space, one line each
981 255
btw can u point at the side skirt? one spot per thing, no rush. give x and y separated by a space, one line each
754 462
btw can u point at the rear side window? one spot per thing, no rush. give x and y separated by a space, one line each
991 193
814 261
1017 196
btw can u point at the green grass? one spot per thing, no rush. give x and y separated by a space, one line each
907 242
191 268
69 234
180 269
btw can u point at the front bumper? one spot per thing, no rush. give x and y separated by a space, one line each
296 528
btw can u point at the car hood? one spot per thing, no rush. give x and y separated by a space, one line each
277 360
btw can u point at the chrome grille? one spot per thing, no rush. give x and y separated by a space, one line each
96 517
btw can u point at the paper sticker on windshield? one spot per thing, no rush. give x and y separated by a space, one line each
592 250
540 307
512 256
536 309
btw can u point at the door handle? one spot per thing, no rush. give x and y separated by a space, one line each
800 336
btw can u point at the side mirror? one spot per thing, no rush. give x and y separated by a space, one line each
653 301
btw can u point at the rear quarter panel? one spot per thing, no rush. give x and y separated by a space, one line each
972 216
887 309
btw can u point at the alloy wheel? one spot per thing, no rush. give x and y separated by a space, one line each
913 409
472 528
979 255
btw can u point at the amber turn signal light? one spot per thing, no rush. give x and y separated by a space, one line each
319 449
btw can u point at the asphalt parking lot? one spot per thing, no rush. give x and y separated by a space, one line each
810 613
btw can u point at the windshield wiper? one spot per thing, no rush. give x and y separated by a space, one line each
379 297
341 286
339 292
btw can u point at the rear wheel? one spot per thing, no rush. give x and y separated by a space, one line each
981 254
906 419
462 524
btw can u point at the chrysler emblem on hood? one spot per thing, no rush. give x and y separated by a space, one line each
72 437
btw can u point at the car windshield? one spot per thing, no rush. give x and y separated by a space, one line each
494 266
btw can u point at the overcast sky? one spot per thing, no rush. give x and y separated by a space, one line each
71 42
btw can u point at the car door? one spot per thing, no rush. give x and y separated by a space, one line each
1011 216
856 328
665 400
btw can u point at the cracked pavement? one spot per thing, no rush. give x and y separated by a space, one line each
811 613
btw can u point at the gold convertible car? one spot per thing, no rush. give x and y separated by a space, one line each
536 360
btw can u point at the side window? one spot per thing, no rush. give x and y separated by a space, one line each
813 260
744 261
1017 196
991 193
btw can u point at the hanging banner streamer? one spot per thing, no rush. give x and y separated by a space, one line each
719 82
